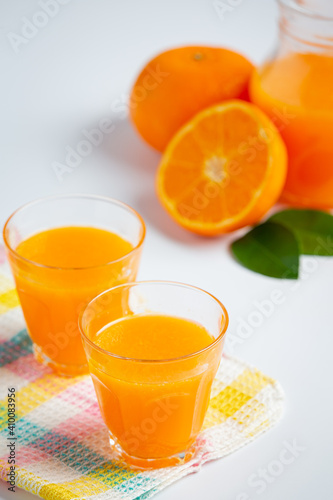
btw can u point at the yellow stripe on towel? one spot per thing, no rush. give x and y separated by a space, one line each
8 300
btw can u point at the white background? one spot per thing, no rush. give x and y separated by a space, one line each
67 78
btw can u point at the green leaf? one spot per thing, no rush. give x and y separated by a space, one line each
313 229
270 249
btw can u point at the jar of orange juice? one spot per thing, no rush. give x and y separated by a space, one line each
295 88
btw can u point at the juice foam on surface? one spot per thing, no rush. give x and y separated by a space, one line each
151 336
74 247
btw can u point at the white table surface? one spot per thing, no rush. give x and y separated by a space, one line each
65 79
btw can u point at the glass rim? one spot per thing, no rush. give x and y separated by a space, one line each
96 197
291 4
157 361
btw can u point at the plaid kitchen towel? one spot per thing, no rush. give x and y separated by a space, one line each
60 443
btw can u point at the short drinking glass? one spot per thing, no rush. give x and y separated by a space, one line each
154 405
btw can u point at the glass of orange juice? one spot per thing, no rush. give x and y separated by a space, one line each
63 251
294 87
153 350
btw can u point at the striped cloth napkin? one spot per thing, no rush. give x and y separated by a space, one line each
60 443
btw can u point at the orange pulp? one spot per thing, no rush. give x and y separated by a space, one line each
223 170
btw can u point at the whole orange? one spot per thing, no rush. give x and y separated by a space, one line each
179 83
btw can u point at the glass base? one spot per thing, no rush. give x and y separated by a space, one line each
62 370
150 463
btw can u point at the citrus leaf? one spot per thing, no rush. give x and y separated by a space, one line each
270 249
313 229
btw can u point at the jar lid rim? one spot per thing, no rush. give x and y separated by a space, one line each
292 4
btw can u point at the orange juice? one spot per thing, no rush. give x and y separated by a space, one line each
65 268
74 247
153 411
296 92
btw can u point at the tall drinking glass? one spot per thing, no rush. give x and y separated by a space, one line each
52 296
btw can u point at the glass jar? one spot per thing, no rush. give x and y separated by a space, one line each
295 88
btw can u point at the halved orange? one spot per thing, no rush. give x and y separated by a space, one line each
223 170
